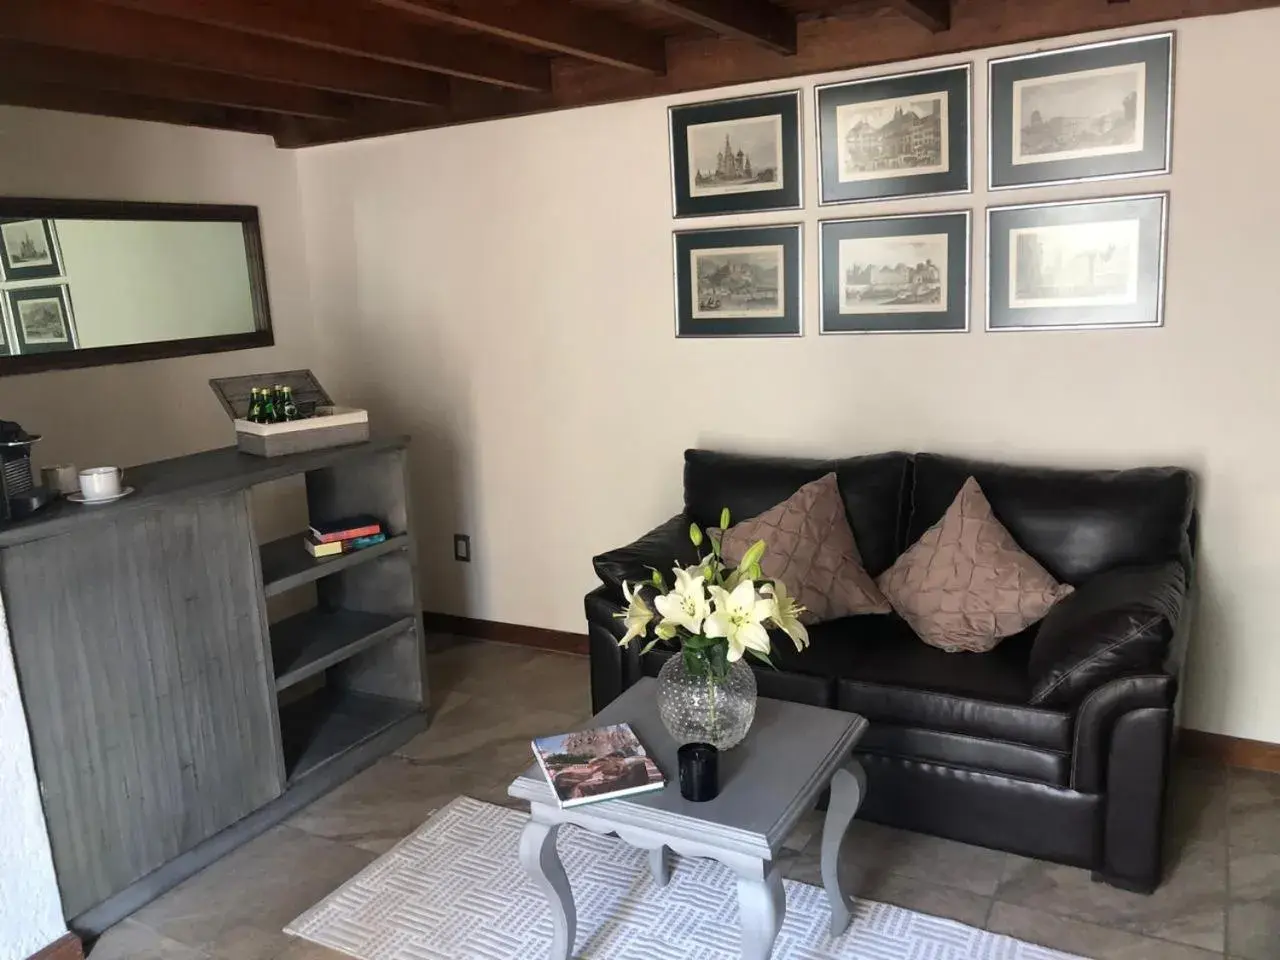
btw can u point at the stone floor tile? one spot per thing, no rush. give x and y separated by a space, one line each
924 897
236 908
1086 939
303 950
1197 806
879 850
1253 810
131 940
1189 907
806 829
478 667
1253 929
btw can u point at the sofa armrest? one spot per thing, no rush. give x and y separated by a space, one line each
660 548
1098 715
1118 624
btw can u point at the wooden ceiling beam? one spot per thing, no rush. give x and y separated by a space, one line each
933 15
756 20
164 82
93 27
572 31
342 26
53 96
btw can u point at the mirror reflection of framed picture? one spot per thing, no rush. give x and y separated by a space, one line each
28 250
1095 112
739 282
1077 264
905 274
901 136
737 156
42 319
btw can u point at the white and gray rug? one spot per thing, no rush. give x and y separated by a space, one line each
455 891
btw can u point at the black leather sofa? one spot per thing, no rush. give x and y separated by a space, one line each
970 746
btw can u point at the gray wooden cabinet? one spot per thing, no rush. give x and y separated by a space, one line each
169 720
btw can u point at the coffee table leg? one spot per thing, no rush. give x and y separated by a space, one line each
659 866
848 787
763 905
541 861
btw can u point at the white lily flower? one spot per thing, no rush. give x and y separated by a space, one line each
685 606
637 615
738 617
786 614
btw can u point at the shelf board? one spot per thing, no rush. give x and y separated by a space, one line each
324 725
311 642
286 563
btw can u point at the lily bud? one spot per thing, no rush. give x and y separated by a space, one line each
724 518
752 556
695 534
658 581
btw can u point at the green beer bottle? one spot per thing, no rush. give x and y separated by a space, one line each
270 414
255 406
290 409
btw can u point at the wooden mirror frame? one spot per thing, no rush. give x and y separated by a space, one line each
43 209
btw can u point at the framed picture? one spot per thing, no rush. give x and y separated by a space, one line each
737 156
907 274
900 136
28 250
1077 264
738 282
42 319
6 329
1087 113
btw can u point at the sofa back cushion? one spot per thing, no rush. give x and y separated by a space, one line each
1077 523
873 489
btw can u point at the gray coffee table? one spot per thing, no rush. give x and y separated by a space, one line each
767 782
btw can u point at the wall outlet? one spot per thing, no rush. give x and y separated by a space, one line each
462 547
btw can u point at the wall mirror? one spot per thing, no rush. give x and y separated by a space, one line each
88 282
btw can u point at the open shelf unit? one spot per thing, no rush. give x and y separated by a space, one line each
327 723
286 564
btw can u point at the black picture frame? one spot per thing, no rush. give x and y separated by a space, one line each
956 82
1012 166
785 241
747 198
20 299
35 231
949 315
1134 302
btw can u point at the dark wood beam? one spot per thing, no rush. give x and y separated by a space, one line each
933 15
756 20
52 96
93 27
573 31
164 82
342 26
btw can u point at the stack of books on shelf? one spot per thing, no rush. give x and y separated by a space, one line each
335 537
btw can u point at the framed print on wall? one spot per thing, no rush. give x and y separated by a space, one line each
42 318
28 250
906 274
736 156
738 282
900 136
1095 112
1077 264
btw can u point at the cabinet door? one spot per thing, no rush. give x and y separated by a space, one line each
141 656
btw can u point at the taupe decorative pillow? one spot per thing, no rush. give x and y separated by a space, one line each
810 548
965 585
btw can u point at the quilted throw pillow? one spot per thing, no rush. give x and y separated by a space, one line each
810 548
965 585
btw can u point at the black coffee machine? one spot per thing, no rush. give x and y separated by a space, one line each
20 495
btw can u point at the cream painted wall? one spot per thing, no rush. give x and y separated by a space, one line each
127 414
503 292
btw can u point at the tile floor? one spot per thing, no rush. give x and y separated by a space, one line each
1222 897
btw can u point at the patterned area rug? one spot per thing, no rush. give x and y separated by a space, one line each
455 891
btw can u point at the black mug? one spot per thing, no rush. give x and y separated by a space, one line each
699 771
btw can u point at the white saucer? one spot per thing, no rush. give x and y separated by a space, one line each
78 497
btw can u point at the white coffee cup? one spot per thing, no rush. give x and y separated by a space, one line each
62 479
100 483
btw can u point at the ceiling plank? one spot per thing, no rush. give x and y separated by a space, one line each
52 96
93 27
573 31
164 82
933 15
756 20
342 26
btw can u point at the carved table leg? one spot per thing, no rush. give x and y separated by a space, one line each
848 787
658 864
763 905
541 861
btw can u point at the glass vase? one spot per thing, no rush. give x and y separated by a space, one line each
697 706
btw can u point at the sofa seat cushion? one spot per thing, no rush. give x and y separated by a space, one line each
966 752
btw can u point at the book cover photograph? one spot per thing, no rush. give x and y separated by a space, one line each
597 765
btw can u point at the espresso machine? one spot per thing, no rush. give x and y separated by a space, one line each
20 495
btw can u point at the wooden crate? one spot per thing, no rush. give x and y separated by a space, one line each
326 425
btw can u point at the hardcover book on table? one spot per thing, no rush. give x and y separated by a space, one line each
333 548
327 531
598 764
